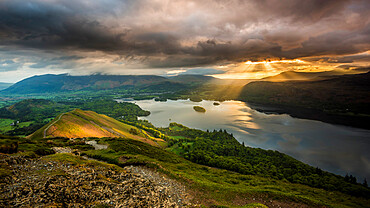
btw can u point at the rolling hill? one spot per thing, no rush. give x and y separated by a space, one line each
64 83
51 83
296 76
30 109
82 124
190 78
346 96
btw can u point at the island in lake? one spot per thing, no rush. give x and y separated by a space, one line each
199 109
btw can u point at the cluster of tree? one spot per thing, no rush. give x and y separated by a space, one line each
220 149
32 110
352 179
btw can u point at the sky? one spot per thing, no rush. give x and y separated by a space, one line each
222 38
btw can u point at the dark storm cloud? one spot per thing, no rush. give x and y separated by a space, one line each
60 25
341 59
55 61
186 33
334 43
306 11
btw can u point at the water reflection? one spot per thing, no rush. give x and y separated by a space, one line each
335 148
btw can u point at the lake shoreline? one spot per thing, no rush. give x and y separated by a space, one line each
307 140
361 122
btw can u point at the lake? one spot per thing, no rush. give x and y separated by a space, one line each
335 148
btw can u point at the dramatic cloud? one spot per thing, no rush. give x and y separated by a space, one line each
156 35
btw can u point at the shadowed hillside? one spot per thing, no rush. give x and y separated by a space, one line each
194 79
346 95
293 75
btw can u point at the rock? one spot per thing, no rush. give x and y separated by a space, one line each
36 183
62 149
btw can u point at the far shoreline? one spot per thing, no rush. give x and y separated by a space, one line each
360 122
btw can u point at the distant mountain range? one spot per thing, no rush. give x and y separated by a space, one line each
51 83
188 78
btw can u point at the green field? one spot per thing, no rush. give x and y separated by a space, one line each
5 125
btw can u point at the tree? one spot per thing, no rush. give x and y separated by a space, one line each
352 179
365 183
346 178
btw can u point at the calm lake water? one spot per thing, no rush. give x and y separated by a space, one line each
335 148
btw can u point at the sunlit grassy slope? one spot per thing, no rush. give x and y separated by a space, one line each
80 124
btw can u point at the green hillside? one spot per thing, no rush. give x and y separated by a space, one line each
51 83
83 124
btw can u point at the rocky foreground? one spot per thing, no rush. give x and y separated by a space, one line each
44 183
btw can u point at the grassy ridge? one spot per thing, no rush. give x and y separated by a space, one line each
81 124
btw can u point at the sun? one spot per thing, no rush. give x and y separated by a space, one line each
260 69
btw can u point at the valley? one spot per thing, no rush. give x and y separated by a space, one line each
181 155
167 126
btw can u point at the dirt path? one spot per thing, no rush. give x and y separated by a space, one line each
46 129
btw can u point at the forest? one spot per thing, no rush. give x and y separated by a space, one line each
220 149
